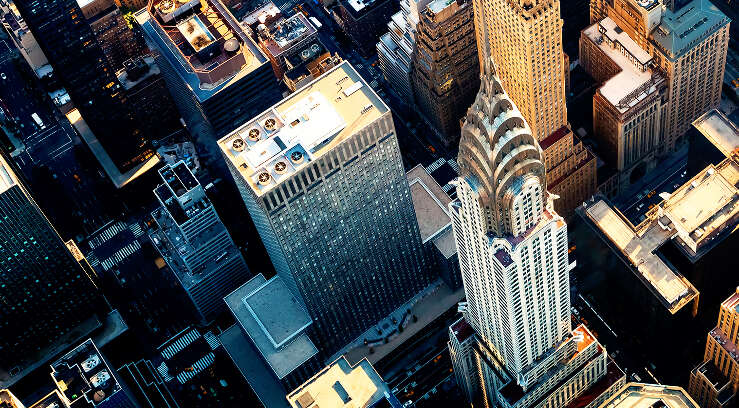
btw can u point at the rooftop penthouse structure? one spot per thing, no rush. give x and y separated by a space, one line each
677 258
84 378
208 61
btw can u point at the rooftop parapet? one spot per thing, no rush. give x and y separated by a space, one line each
281 141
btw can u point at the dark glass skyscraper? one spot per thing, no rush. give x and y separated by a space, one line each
47 301
82 68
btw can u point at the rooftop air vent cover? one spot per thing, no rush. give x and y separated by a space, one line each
238 145
264 178
231 45
254 134
280 167
296 157
270 124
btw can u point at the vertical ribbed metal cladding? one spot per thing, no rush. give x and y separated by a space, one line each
497 152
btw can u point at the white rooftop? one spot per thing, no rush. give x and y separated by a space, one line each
340 385
719 130
271 317
312 121
7 177
704 206
616 34
639 248
630 78
635 395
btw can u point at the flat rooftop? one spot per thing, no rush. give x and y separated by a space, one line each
272 147
636 395
202 41
706 205
269 314
51 400
681 29
7 177
262 306
341 385
286 33
633 83
8 400
83 374
719 130
639 248
430 203
732 302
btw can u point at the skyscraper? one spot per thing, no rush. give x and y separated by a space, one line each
217 75
520 350
627 108
526 39
48 300
322 177
714 383
396 47
195 243
82 68
688 40
117 40
446 75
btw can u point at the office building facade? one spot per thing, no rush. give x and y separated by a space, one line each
322 178
688 41
714 383
80 65
118 41
627 108
217 84
364 21
526 39
194 242
446 74
49 298
520 349
396 47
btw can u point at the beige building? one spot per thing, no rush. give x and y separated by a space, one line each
627 108
714 382
688 41
341 384
526 39
636 395
446 74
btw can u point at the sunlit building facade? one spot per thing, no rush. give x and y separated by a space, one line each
323 180
714 382
526 42
520 349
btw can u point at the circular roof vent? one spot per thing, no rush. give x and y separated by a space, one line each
280 167
270 124
264 178
238 145
231 45
305 54
315 48
296 157
254 134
